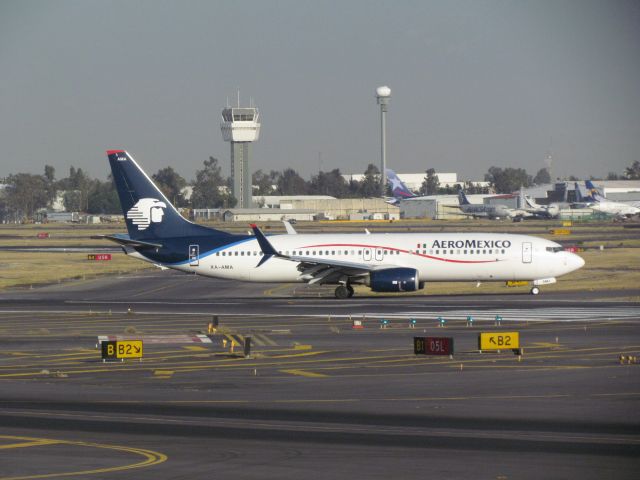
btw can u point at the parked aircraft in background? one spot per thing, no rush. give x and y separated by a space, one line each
387 262
541 211
597 194
480 210
398 189
599 203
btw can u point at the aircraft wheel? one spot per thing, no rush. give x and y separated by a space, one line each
341 292
535 291
350 290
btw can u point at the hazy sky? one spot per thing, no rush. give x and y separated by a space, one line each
474 83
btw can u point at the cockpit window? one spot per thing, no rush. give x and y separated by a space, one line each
555 249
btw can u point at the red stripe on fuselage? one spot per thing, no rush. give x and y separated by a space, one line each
399 250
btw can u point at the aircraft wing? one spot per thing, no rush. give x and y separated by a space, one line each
316 270
126 241
289 228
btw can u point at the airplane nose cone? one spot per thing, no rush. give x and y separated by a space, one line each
575 261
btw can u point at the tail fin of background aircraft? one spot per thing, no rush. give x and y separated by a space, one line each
148 213
398 189
594 192
462 198
579 197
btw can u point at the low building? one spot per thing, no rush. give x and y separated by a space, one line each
436 207
63 217
267 215
280 201
342 208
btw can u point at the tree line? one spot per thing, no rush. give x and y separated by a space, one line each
26 194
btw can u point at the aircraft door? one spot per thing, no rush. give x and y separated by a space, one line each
379 254
194 255
526 252
366 254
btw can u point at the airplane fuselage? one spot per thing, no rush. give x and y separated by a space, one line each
436 257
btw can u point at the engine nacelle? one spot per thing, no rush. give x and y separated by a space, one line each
553 210
394 280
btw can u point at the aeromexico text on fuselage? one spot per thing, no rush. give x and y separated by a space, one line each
471 244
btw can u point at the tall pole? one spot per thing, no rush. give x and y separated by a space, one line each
383 94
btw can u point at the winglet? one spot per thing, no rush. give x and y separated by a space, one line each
265 245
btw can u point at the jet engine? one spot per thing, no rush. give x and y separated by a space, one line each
553 210
399 279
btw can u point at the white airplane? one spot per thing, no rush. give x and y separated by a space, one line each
542 211
387 262
480 210
600 203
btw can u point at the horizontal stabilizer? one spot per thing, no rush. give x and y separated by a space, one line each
122 240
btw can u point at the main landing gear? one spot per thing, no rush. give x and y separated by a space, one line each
344 291
535 291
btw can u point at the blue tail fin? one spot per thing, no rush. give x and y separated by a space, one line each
579 197
594 192
148 213
462 198
398 188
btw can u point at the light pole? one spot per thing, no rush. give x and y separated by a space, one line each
383 95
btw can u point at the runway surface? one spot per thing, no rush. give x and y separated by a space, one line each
316 398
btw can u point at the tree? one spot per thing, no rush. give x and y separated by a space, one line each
72 200
171 184
263 181
76 186
370 185
210 188
507 180
329 183
613 176
50 180
103 197
633 172
430 184
474 188
542 177
289 182
25 194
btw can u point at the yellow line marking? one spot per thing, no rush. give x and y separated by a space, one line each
34 443
295 355
543 345
279 288
304 373
195 348
150 458
164 372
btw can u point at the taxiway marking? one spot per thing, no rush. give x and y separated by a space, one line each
150 457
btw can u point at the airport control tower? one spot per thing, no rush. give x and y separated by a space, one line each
240 126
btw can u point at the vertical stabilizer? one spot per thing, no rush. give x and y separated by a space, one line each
149 215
